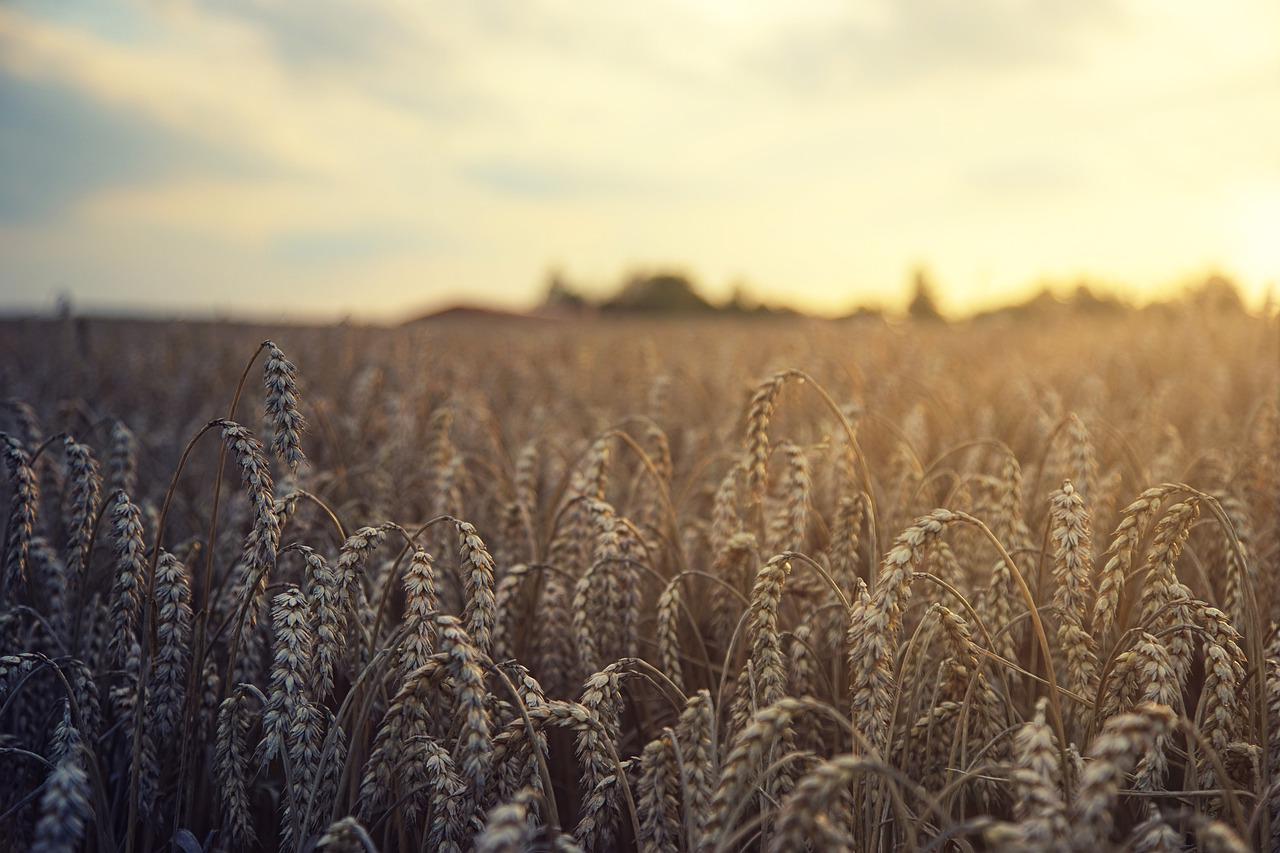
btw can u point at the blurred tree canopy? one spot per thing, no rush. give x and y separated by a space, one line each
674 293
923 306
664 293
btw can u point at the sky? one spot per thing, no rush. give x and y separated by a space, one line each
377 158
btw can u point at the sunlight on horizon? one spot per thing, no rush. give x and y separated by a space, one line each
376 159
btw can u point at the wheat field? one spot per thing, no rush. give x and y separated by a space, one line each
622 584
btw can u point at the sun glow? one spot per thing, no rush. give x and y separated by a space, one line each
1256 253
383 157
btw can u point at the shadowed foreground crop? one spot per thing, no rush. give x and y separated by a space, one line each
695 586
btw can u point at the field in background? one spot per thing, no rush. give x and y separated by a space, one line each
707 584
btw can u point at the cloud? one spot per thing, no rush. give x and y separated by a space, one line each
549 181
418 146
1026 175
337 35
59 146
906 41
347 246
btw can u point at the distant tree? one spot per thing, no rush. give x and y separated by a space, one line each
561 295
664 293
741 301
866 313
923 306
1087 301
1217 293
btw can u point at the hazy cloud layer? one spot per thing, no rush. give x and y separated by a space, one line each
376 156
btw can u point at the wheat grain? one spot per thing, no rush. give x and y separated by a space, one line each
1120 557
480 613
656 796
1224 677
346 835
421 602
281 380
759 414
232 764
1163 590
507 828
668 632
1073 587
289 671
24 506
64 805
167 693
695 733
1112 755
874 626
82 500
127 590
